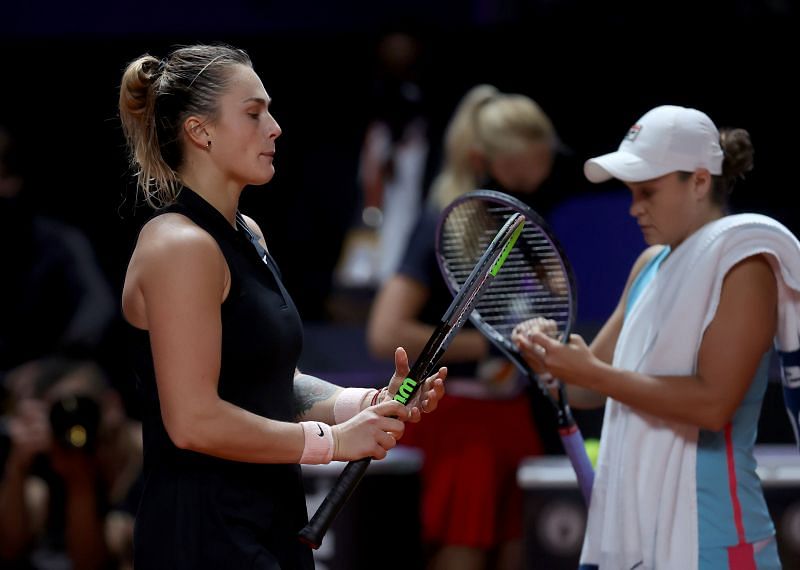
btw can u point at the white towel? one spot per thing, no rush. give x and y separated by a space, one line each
644 504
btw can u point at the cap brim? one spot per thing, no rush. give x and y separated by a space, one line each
622 166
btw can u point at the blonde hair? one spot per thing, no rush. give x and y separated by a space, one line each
492 123
156 97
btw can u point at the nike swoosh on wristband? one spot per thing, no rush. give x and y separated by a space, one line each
321 434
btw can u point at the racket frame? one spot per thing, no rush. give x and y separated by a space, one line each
570 434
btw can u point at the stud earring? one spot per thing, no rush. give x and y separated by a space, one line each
208 145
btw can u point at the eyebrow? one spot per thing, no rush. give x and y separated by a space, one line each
258 100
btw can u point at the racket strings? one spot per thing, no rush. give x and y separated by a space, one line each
533 281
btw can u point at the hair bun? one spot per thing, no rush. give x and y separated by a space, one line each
136 83
738 151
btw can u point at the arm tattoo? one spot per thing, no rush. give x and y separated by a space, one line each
309 390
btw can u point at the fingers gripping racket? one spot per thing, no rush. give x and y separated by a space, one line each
536 281
484 268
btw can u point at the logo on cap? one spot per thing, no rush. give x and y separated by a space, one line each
633 132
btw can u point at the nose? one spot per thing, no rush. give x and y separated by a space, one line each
274 129
636 208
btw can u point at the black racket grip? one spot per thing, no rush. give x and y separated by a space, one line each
313 533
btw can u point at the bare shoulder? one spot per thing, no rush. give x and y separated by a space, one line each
173 233
173 257
172 247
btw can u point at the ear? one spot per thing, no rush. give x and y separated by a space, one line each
197 131
702 183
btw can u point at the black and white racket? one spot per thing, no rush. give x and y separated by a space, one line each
484 268
536 282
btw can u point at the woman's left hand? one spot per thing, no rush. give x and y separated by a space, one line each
427 398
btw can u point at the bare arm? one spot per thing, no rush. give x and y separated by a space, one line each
178 279
394 321
729 355
314 398
182 277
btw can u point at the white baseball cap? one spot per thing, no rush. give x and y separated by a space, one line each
666 139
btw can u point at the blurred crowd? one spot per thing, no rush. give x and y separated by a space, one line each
70 455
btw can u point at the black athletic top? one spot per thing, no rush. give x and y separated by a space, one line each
199 511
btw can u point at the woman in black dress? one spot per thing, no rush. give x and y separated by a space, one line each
215 336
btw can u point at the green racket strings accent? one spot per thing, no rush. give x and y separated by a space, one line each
506 250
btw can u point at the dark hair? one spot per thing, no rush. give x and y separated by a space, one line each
737 150
155 98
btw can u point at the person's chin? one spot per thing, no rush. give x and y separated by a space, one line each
650 237
263 177
655 240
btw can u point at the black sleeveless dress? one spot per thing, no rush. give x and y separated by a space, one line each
199 511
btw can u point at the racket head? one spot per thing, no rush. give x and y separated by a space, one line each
486 268
537 279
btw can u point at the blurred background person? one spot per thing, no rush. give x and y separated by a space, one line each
393 164
53 296
471 505
70 477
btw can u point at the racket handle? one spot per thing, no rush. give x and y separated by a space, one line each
572 440
313 533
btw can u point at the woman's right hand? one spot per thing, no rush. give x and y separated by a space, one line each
370 433
524 331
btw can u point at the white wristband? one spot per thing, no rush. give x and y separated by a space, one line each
348 403
318 444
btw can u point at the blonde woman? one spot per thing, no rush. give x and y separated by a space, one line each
215 336
471 505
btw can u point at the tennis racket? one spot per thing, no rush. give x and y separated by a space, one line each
536 282
483 270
